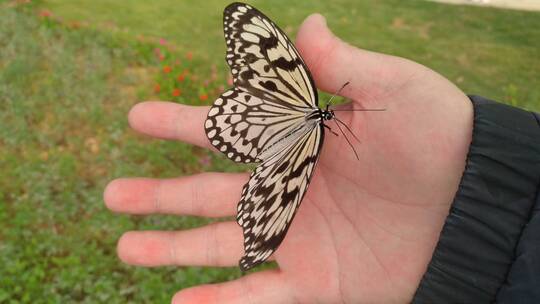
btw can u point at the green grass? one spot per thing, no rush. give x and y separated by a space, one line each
64 96
66 87
486 51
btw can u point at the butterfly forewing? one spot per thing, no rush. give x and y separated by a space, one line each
268 118
263 60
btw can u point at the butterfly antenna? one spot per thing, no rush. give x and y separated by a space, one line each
348 141
360 110
348 129
338 91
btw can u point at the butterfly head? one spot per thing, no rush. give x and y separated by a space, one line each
328 114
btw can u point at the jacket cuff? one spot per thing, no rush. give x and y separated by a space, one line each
493 203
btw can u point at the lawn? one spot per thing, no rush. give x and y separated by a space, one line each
70 71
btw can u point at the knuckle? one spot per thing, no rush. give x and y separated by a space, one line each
213 251
158 196
197 206
172 250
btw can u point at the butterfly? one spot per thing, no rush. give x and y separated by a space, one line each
270 117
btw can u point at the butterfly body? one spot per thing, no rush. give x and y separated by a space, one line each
327 114
270 117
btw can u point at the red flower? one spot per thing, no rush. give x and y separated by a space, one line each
161 57
189 56
176 92
157 88
181 77
45 13
167 69
203 97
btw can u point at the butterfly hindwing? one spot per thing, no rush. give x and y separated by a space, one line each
272 196
246 128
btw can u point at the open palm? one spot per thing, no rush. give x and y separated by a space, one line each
366 229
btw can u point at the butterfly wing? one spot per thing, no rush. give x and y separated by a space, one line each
263 60
273 93
245 127
268 117
272 196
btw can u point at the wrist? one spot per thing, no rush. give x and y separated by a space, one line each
491 207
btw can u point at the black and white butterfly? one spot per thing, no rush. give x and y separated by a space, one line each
270 117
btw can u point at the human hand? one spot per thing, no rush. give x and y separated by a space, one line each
366 229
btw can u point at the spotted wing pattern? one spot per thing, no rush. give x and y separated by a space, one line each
272 196
248 129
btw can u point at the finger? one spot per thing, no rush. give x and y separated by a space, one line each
334 62
170 121
190 195
218 244
260 287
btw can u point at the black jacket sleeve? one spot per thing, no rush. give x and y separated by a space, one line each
489 247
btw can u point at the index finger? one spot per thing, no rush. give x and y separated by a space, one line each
170 120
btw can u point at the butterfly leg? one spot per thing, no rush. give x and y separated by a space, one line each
330 129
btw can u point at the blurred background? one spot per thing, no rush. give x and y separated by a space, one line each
71 70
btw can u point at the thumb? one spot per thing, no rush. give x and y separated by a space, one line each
333 62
